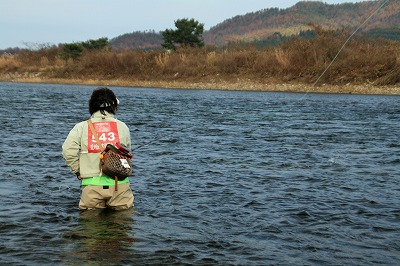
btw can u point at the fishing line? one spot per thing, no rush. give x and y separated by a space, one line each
345 43
341 49
161 137
313 85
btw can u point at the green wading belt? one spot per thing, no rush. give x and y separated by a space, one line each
100 147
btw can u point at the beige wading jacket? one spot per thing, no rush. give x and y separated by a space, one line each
80 149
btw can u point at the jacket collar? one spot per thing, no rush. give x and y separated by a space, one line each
106 114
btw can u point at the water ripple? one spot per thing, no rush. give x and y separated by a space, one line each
235 178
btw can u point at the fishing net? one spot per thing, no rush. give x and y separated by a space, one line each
116 162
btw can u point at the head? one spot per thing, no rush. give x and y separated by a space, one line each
103 99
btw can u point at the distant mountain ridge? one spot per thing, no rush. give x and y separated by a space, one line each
264 24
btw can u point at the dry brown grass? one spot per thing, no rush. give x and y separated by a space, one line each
299 61
8 63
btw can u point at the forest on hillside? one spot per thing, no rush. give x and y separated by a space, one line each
263 24
273 26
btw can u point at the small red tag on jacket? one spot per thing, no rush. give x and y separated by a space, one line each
108 134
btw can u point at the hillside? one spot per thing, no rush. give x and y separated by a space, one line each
266 24
137 40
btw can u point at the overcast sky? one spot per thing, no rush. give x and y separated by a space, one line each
25 22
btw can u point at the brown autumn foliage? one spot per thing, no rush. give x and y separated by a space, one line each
264 23
362 60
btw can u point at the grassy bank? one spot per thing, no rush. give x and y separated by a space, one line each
233 86
366 66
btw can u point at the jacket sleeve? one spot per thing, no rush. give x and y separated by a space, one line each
125 137
71 149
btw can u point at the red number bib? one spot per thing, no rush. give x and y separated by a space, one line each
108 134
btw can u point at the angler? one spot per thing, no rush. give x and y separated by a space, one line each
81 152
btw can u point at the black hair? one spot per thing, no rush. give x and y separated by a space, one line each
103 99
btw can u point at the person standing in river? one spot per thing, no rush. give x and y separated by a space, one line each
81 154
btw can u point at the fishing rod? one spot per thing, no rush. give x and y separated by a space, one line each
161 137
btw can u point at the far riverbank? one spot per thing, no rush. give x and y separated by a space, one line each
238 85
365 66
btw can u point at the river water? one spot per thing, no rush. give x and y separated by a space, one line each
229 178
